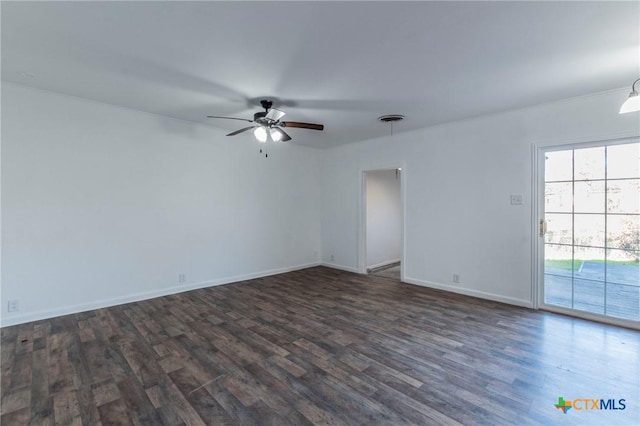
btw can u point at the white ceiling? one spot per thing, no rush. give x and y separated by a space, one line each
342 64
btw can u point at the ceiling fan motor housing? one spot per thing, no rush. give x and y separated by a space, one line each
258 117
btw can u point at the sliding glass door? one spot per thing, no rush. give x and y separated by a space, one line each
591 230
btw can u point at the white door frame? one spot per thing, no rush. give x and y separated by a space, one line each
537 264
362 214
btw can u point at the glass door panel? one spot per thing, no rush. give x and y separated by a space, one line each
623 196
592 239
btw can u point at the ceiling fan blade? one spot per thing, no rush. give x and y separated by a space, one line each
242 130
274 114
302 125
230 118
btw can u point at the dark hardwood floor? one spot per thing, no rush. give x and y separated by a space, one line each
317 346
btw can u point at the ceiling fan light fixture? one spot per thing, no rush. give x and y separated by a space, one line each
261 134
632 103
276 134
267 123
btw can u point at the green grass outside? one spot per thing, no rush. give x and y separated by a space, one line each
565 264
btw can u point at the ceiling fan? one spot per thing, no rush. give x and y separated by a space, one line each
268 123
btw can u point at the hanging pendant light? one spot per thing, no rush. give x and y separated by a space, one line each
632 103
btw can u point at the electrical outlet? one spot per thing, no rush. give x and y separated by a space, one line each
456 278
332 258
182 278
13 305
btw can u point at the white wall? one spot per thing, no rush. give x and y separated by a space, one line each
384 219
102 205
458 178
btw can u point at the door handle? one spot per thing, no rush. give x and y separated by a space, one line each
543 227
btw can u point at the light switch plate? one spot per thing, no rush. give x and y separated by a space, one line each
517 199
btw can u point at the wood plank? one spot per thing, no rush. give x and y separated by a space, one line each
317 346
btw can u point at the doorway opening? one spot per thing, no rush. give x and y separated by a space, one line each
382 223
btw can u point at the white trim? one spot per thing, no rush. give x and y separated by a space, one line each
340 267
586 142
403 225
536 215
362 221
385 263
9 320
472 293
605 319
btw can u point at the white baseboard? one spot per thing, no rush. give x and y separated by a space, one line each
385 263
74 309
341 267
470 292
